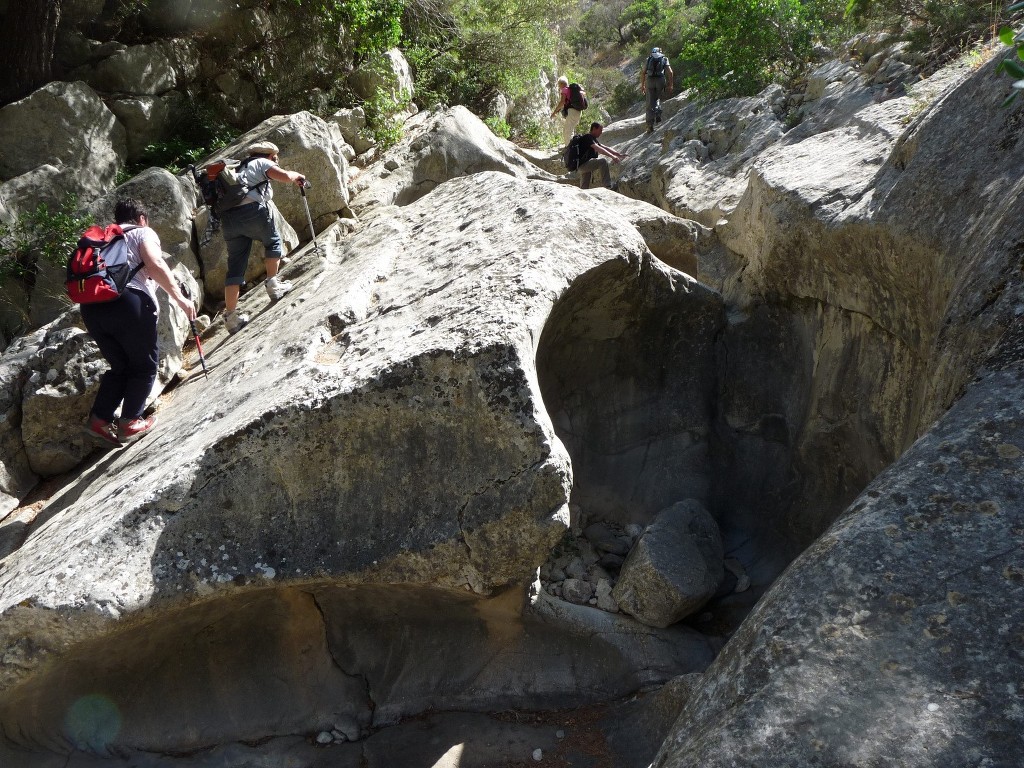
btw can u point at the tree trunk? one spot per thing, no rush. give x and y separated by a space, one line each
26 58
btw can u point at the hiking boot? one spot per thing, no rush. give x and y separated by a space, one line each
650 128
130 431
657 115
235 322
276 288
102 430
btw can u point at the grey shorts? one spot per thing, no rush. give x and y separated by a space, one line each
241 226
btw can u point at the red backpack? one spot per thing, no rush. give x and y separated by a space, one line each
98 270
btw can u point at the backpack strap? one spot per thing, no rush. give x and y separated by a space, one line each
254 187
125 229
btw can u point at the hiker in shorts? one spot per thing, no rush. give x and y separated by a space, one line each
570 116
590 149
253 220
655 81
125 331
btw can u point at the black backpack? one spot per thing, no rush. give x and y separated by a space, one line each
571 156
577 98
656 65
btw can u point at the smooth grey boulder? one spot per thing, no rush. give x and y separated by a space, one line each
437 146
140 70
146 119
384 424
674 568
391 75
16 475
66 125
352 124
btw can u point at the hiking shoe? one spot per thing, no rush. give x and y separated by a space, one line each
102 430
276 288
235 322
130 431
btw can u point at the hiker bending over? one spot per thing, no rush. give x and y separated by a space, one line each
125 331
589 148
655 81
571 105
252 220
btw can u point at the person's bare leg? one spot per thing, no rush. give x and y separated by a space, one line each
231 297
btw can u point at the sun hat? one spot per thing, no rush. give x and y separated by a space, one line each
263 148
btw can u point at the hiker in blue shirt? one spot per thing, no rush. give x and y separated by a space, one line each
655 81
254 220
125 331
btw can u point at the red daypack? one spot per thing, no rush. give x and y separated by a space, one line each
98 270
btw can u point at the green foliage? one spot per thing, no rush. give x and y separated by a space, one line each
467 51
534 133
743 45
624 96
382 123
498 126
1011 65
371 25
643 17
929 25
40 235
601 23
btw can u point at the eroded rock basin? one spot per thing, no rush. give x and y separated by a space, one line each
280 667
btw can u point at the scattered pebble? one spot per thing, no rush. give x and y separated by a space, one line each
538 755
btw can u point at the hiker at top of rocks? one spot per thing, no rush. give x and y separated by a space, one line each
253 220
590 148
570 115
655 81
125 332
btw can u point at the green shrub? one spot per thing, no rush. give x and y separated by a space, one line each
382 123
1011 65
40 235
743 45
930 25
499 126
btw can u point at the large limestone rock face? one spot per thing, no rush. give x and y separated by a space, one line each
891 641
384 424
67 125
886 641
142 70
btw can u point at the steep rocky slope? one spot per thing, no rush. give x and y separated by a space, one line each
812 334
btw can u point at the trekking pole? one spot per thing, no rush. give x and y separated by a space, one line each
195 333
304 186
